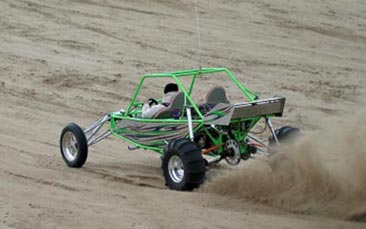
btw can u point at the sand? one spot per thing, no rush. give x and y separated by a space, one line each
71 61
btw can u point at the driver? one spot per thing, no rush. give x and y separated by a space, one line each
150 109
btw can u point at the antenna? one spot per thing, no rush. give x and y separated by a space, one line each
199 58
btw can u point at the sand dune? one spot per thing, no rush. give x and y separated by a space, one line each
70 61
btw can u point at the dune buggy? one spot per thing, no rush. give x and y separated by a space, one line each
189 136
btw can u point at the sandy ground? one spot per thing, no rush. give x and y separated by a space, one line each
63 61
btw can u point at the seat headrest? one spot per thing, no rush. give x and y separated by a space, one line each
176 102
217 95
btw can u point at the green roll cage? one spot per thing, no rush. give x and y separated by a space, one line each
131 113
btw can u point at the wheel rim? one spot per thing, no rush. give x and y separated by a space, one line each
176 169
70 147
233 146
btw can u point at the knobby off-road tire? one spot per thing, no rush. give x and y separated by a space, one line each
183 165
73 146
286 135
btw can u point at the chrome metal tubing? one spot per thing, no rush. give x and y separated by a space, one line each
190 123
99 138
97 123
269 123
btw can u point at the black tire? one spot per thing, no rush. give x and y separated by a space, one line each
285 134
193 165
73 146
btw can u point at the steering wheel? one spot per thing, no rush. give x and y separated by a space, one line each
153 101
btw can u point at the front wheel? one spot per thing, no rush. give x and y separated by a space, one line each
73 146
183 165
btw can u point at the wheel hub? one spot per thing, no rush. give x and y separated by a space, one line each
70 146
232 146
176 169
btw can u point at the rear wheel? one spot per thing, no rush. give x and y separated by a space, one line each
285 135
73 146
183 165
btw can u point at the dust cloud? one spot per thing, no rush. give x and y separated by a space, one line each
324 173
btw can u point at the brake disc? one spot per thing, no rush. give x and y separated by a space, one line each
232 146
